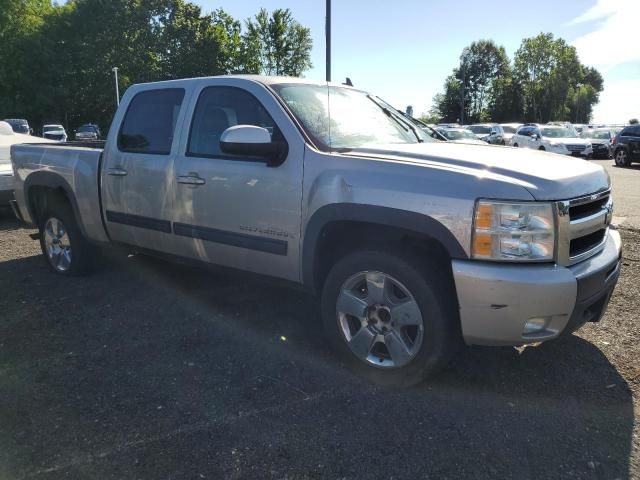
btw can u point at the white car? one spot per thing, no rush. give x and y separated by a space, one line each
54 131
552 138
461 135
510 130
7 138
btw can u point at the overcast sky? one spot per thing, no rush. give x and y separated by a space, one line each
403 50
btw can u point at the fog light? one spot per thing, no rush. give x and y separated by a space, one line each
535 325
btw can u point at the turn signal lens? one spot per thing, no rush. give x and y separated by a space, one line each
484 215
482 245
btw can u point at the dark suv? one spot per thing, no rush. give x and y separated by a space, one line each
626 146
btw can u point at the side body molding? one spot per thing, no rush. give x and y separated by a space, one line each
384 216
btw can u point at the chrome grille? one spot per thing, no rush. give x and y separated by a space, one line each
582 228
576 148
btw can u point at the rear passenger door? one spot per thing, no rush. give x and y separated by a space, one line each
138 178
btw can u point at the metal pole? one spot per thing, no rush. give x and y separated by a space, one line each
115 73
328 40
463 89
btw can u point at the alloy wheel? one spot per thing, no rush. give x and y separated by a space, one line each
379 319
57 244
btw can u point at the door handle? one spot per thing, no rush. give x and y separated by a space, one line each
191 180
117 172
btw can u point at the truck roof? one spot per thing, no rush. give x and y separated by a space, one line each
263 79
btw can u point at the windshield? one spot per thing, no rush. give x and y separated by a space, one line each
508 129
598 134
480 129
459 134
341 117
557 132
87 129
50 128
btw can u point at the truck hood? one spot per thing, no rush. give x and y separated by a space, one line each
547 176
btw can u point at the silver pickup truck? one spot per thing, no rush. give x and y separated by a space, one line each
412 245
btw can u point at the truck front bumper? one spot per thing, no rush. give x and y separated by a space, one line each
507 304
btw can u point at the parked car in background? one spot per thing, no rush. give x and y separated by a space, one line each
579 127
433 132
412 245
509 130
600 139
54 131
460 135
88 131
19 125
489 132
552 138
626 146
568 125
8 138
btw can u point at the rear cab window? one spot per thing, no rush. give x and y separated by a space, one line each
150 122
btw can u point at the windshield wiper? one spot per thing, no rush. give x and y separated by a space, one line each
404 124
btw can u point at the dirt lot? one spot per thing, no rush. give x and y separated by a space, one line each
152 370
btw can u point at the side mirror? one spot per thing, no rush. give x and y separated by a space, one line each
254 142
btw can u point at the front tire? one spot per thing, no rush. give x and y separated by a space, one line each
65 249
390 321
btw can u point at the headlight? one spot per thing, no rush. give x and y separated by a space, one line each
507 231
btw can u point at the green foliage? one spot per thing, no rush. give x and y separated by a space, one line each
57 59
282 46
545 82
633 121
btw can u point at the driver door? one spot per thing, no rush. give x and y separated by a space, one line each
232 209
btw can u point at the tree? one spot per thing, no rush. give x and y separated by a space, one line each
277 44
57 59
633 121
549 71
483 63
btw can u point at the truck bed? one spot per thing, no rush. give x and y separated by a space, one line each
72 166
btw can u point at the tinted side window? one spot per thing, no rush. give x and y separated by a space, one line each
150 121
219 108
525 131
626 132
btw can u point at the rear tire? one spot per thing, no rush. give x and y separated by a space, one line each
398 325
65 249
621 157
542 149
515 145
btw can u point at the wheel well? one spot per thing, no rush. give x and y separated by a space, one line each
41 197
341 237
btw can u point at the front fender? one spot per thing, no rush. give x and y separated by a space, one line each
383 216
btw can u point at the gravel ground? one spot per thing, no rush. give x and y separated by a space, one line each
147 369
